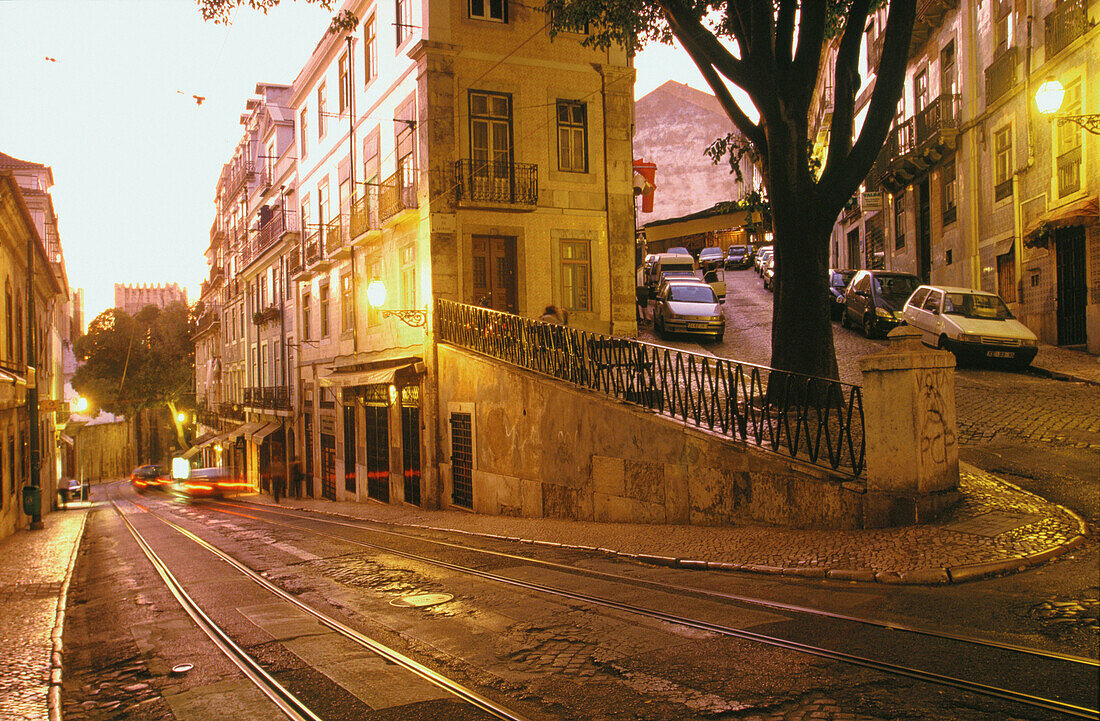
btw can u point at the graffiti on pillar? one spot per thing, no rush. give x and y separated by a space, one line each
937 429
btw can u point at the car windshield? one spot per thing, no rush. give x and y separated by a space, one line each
976 305
841 280
710 251
895 286
692 294
737 250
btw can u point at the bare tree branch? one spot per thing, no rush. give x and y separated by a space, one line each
845 84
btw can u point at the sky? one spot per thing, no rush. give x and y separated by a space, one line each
102 92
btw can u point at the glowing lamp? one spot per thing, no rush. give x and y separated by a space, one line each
376 293
1049 96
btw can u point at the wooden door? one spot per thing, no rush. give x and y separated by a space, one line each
494 272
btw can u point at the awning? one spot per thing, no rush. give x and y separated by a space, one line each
260 435
201 442
376 376
245 429
1082 212
67 440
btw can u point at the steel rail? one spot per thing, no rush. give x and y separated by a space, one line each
472 697
809 649
664 586
286 701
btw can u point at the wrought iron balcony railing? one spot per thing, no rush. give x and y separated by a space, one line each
1066 23
364 214
281 222
397 193
311 248
814 419
1069 172
268 397
294 261
497 182
1000 76
941 114
231 410
334 235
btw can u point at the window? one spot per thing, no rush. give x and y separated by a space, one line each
1069 143
572 137
322 202
402 24
495 10
1002 26
899 220
303 132
405 143
307 330
370 161
305 214
374 315
323 310
9 356
575 274
920 89
408 277
370 50
321 111
263 379
347 303
1002 163
950 192
490 128
948 71
345 87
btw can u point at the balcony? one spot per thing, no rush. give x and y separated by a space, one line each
930 17
496 184
364 215
294 267
271 398
1000 76
240 172
314 251
337 246
231 411
397 193
874 52
1069 172
280 223
1068 22
217 272
921 142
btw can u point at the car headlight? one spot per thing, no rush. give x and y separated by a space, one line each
969 338
883 313
1029 342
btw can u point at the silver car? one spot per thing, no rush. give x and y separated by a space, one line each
688 306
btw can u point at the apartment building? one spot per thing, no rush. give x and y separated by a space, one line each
34 307
975 187
443 150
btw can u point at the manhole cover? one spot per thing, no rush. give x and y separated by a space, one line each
422 600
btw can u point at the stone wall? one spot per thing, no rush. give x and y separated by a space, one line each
543 448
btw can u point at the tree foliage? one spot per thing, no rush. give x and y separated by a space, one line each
131 363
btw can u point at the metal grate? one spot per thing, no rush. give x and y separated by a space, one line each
462 459
349 449
817 419
410 453
328 466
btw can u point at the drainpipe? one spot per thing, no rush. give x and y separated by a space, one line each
607 199
1017 205
976 131
351 184
32 387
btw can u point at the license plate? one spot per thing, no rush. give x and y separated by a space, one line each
697 325
999 354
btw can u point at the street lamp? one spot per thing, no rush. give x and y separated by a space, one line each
1048 98
81 404
376 296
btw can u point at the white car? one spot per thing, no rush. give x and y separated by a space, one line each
972 324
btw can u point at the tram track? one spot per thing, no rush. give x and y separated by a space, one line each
986 689
287 702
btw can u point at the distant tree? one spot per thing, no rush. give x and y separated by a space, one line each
131 363
780 54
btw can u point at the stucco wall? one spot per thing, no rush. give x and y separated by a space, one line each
545 449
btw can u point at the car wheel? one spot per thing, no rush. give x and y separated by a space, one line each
844 322
942 342
659 327
869 325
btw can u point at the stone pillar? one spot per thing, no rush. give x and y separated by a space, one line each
910 431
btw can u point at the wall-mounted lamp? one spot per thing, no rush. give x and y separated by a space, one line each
376 296
1048 98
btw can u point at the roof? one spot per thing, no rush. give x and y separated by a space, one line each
687 94
726 206
9 162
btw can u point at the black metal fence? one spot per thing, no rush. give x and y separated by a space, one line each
814 419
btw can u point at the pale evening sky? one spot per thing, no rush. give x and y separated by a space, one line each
135 159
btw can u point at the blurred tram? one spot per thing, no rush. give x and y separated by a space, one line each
207 483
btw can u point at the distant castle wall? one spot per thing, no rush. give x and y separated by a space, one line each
133 297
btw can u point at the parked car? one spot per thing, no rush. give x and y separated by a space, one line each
874 300
838 281
149 476
70 489
716 279
762 256
972 324
769 274
679 250
710 258
739 256
672 265
688 306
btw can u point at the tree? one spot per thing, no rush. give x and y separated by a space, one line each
132 363
780 53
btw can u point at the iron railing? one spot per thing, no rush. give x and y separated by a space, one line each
268 397
1069 172
280 222
814 419
397 192
334 235
364 214
1000 76
294 260
1068 21
231 411
312 248
940 114
497 182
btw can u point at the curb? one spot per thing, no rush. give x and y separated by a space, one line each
53 698
915 577
1062 375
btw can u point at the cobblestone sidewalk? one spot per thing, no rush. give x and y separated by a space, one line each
35 567
997 528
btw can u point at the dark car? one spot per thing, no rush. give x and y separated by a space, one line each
710 258
739 256
148 476
874 300
838 281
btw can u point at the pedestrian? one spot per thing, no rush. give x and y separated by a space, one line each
553 315
642 296
277 472
295 477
